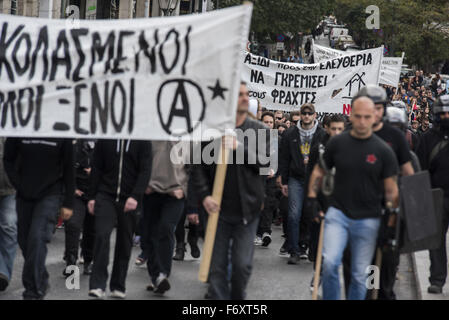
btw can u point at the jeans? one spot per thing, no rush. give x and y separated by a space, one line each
8 234
242 251
36 221
438 257
161 214
108 214
361 235
295 200
270 206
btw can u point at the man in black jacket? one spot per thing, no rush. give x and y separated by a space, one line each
120 173
80 218
42 171
297 142
242 201
433 153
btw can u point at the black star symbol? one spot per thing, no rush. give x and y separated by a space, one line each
218 90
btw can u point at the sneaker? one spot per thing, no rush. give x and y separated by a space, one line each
435 289
136 241
4 282
194 250
118 294
258 241
88 268
140 261
266 239
162 284
179 253
311 283
150 287
294 259
303 253
97 293
283 251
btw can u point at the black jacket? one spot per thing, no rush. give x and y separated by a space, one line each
41 167
84 150
121 168
291 161
439 167
250 182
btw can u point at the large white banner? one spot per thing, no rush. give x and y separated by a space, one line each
157 78
390 71
329 85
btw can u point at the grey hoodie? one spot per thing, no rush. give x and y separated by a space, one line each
166 176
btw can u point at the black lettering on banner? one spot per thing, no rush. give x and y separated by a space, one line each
131 108
151 55
96 106
79 109
19 69
56 61
37 114
167 69
120 56
23 120
76 33
4 44
42 39
257 77
292 98
9 104
118 125
187 43
258 95
369 59
184 112
97 48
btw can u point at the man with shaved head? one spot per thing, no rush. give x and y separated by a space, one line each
366 170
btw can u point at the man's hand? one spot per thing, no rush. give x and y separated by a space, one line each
284 189
178 194
130 205
79 193
211 205
66 213
149 190
279 182
91 206
312 209
193 218
87 170
271 175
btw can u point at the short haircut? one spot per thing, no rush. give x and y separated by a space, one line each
295 113
242 82
326 120
283 125
336 118
277 111
268 113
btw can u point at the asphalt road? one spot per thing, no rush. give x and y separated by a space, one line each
272 277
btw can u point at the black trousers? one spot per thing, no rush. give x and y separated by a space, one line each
271 204
180 233
80 220
108 214
161 214
438 257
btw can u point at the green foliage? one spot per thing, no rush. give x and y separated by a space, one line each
415 27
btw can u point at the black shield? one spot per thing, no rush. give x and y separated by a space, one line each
421 213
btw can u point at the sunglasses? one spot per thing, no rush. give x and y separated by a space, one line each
278 118
304 113
294 121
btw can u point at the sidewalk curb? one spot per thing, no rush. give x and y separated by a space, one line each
416 276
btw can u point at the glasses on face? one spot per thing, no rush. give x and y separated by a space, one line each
294 121
277 118
305 113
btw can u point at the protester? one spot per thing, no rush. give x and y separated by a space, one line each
238 220
297 142
120 173
8 224
43 173
366 164
433 152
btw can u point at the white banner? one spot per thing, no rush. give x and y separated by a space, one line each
390 71
151 79
329 85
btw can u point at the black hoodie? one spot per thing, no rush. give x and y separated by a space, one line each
41 167
121 168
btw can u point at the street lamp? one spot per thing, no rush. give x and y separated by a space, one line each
168 6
